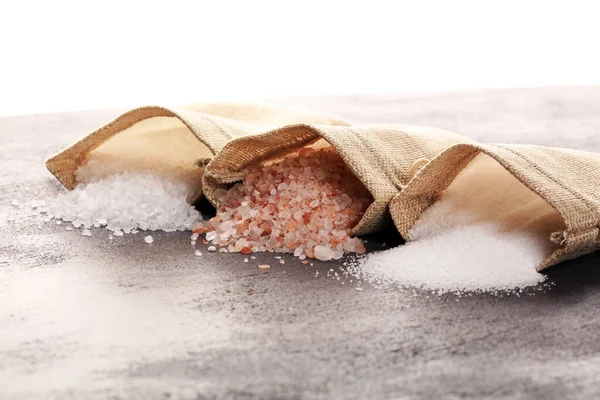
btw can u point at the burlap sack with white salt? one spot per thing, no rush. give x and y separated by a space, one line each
173 139
383 158
567 180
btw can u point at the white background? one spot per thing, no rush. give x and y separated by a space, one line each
61 55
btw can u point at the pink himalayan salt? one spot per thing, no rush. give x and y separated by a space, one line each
303 204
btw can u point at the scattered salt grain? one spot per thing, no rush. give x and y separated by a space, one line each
58 222
198 253
211 248
264 266
69 228
246 259
86 232
281 261
148 239
359 289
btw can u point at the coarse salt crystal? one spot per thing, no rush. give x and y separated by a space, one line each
125 195
148 239
264 266
211 248
275 208
198 253
86 232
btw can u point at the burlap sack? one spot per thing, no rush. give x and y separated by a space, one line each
568 180
384 158
175 138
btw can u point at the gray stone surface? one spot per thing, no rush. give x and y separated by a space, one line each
92 318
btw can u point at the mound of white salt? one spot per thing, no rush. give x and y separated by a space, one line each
487 233
125 199
303 204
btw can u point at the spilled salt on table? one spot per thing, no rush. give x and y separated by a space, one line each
303 204
125 198
487 232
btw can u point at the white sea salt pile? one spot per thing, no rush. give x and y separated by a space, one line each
303 204
125 200
486 233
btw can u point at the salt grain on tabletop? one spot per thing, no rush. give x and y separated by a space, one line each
253 257
211 248
69 228
198 253
148 239
264 266
281 261
58 222
246 259
86 232
303 204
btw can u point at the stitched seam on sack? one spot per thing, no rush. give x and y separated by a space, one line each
545 174
380 162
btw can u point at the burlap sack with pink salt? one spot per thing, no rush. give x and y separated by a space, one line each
383 158
568 180
176 138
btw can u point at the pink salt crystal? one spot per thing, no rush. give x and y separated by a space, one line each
211 235
323 253
300 202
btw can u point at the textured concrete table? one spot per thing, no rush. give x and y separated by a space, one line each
92 318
